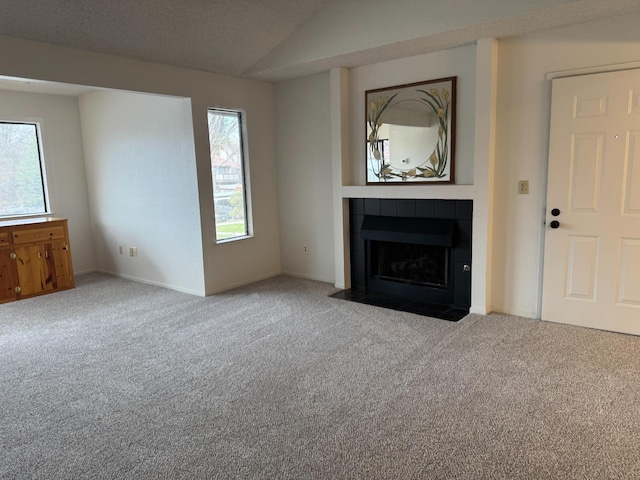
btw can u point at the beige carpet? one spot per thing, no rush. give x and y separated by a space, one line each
278 381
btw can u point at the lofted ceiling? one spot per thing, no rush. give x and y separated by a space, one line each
275 40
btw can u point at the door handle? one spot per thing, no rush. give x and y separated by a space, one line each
555 212
554 224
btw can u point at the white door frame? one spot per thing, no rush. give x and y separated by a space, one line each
545 167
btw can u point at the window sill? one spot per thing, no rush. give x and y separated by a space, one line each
27 216
233 239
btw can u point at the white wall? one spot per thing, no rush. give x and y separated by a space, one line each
458 62
141 174
64 161
225 265
304 177
522 143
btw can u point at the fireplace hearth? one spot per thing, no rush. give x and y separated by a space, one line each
412 252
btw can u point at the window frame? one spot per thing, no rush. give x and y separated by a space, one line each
244 176
44 181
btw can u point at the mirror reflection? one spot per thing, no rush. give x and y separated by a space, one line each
409 132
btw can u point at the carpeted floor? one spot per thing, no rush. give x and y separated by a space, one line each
276 380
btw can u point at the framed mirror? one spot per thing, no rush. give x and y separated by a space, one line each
411 133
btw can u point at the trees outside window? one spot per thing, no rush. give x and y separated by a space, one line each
226 145
22 184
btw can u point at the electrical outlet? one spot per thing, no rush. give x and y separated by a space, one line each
523 187
306 249
133 251
120 249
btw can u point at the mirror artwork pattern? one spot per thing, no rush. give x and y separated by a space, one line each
411 133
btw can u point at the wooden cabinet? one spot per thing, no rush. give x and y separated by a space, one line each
7 276
35 258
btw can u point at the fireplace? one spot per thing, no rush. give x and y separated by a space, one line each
413 249
410 264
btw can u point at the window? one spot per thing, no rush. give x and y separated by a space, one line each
22 185
226 144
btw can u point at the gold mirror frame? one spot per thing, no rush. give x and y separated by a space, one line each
410 133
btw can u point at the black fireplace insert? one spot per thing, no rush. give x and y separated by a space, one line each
413 249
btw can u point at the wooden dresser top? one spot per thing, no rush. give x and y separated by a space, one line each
29 221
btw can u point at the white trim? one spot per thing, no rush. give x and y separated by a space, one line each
340 138
517 312
592 70
232 239
486 94
156 284
453 192
85 272
306 276
480 310
245 282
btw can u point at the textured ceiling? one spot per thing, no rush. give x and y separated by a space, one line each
279 39
222 36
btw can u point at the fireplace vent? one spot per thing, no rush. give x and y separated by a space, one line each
433 231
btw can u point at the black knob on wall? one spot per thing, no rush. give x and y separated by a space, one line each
555 212
554 224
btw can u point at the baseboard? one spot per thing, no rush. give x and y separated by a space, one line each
479 310
224 289
150 282
515 312
85 272
306 276
245 282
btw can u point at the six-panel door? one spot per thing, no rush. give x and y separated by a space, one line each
592 254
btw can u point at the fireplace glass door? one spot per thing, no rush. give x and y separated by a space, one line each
409 270
410 263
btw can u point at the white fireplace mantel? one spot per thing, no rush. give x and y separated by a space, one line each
446 192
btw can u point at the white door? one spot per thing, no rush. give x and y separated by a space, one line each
592 256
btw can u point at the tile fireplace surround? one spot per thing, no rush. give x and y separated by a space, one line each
418 217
